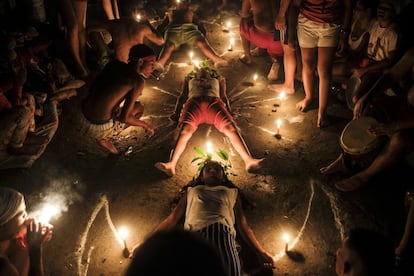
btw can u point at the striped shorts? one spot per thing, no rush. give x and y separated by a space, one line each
220 237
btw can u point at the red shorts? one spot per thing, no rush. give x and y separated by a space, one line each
206 110
259 38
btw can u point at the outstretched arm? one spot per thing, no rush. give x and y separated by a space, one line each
180 101
248 236
175 216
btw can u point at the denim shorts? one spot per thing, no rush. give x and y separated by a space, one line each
313 34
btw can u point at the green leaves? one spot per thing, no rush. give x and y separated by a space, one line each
205 157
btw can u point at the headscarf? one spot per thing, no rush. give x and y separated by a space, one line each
11 202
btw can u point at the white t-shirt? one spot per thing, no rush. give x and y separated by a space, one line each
207 205
203 87
381 41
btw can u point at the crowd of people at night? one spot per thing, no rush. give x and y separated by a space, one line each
360 49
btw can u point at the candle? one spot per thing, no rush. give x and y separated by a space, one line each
255 78
278 125
227 26
123 233
231 44
191 55
209 147
282 95
138 17
286 239
196 63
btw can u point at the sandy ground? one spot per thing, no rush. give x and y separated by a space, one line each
97 193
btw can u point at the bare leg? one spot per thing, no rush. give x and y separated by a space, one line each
240 146
308 75
105 143
289 62
325 61
80 11
406 239
334 166
393 152
165 53
168 168
210 53
247 56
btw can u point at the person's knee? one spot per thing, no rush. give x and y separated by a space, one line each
186 130
400 141
230 128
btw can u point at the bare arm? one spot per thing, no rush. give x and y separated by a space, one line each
245 9
127 115
180 101
280 23
175 216
248 236
7 268
223 93
346 25
152 36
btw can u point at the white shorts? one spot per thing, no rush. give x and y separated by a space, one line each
313 34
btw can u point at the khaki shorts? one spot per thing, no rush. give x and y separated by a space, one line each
313 34
183 34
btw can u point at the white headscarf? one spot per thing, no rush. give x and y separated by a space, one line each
11 202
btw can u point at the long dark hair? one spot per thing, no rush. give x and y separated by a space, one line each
198 180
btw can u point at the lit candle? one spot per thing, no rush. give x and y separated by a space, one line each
282 95
278 125
191 55
231 44
228 25
286 239
123 233
138 17
209 147
196 63
178 2
255 78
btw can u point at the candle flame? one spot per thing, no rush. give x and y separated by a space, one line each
278 123
286 237
191 54
282 95
123 232
209 147
255 77
196 63
228 24
138 17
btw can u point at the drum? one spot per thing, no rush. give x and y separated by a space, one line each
359 146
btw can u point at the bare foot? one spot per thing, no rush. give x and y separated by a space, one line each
167 168
221 63
322 121
281 88
245 59
254 164
335 166
258 52
274 71
351 184
108 146
303 104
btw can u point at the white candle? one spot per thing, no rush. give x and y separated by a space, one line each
209 147
231 44
196 63
255 78
228 25
123 233
286 239
282 95
278 125
138 17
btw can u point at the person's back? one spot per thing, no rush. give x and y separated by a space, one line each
264 14
109 89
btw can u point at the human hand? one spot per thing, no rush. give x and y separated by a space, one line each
150 130
38 233
383 129
267 260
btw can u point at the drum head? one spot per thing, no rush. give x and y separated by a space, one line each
355 138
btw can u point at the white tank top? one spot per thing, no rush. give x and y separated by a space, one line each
207 205
203 87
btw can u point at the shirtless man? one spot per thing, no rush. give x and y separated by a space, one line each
182 26
125 34
259 20
400 129
205 101
118 83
